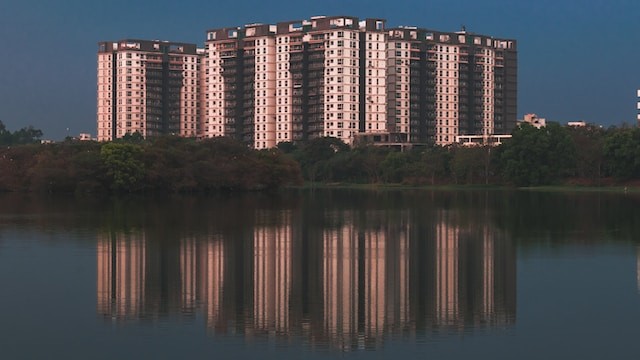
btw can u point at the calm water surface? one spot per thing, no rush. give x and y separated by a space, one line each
323 274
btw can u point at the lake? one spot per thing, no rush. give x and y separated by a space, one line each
364 274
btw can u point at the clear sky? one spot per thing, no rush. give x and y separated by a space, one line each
578 59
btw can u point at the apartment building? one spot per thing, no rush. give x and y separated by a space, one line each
293 81
240 85
444 85
148 87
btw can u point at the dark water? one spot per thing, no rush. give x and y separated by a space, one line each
346 274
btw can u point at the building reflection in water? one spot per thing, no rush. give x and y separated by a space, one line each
349 282
121 279
272 277
638 268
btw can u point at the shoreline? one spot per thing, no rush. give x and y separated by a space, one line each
453 187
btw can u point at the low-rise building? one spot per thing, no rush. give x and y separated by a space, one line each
534 120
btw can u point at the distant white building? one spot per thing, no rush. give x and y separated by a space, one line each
84 137
577 123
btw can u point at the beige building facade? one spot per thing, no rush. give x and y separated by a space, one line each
147 87
293 81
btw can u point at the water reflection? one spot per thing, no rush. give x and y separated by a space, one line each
340 278
638 268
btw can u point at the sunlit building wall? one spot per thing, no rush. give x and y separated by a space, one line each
400 51
297 80
240 80
373 70
148 87
443 85
261 39
220 69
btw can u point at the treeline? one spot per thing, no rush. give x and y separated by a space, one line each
532 157
26 135
554 154
166 164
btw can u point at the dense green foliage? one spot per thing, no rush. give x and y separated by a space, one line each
167 164
532 157
551 155
537 156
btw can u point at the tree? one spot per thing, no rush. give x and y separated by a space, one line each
436 161
537 156
123 165
470 164
315 154
134 138
26 135
287 147
589 140
622 153
5 136
394 167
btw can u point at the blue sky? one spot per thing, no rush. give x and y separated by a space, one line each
578 60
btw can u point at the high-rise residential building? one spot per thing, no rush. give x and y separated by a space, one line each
293 81
148 87
325 76
240 84
443 85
